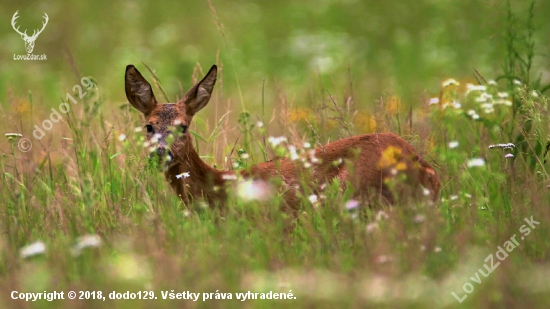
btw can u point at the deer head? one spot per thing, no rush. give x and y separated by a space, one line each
167 124
29 40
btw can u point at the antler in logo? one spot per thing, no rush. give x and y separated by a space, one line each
29 40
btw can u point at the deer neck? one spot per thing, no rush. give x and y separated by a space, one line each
191 177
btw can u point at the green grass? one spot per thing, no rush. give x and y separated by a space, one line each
82 179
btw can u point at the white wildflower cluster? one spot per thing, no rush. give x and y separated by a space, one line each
476 162
275 141
39 247
503 146
183 175
473 114
155 139
33 249
454 104
483 97
449 82
453 144
86 241
316 199
313 199
426 192
506 147
487 97
258 190
472 87
228 176
454 197
151 144
13 135
293 153
352 207
309 159
304 155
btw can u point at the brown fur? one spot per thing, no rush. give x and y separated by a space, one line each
355 160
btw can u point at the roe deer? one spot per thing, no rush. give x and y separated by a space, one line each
364 161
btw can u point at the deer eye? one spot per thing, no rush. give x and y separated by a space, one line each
149 128
184 129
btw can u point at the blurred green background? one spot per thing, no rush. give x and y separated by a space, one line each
406 47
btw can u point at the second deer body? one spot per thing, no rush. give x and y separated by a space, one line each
367 162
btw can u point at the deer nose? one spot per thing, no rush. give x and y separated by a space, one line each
161 151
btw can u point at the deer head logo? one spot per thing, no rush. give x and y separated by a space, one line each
29 40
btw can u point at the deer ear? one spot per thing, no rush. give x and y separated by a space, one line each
138 91
198 96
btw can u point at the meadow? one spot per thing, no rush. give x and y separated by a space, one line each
83 209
